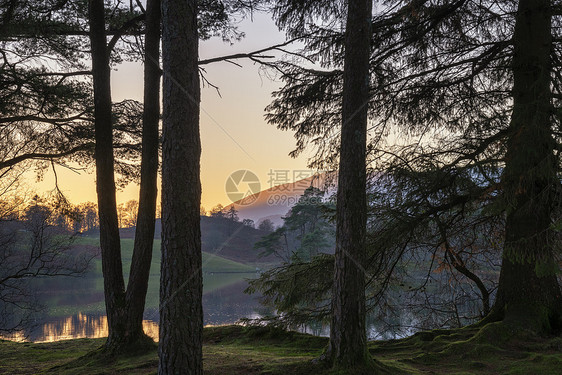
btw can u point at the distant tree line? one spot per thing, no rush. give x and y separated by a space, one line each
36 241
231 215
63 215
83 217
307 231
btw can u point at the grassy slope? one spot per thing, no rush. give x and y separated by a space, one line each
237 350
211 264
232 240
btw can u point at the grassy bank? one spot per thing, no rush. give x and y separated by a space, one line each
261 350
68 296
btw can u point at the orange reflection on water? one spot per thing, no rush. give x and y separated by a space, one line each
76 327
151 329
16 336
84 326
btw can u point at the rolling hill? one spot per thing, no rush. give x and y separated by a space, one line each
224 238
275 202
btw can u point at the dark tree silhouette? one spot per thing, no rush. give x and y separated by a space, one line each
145 226
348 338
114 285
32 247
529 295
125 307
46 115
181 283
459 84
266 225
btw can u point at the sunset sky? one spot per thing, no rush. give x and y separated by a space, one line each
233 130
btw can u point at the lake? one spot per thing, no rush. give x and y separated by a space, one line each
76 310
74 307
223 303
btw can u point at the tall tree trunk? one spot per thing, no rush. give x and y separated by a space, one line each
181 283
144 233
528 293
114 286
348 341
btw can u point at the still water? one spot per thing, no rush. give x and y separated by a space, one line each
224 302
224 305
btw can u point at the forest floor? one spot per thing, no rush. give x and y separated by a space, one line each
235 350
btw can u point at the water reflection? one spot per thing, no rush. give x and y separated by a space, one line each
224 305
83 326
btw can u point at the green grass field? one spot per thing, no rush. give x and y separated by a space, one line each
73 295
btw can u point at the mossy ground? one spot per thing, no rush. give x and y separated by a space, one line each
263 350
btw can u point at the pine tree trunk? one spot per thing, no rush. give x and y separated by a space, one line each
114 286
181 313
144 233
528 293
348 341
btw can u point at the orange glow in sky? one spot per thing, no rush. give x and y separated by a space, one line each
233 130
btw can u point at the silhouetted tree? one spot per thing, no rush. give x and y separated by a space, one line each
232 214
461 85
32 247
128 213
306 230
217 211
181 285
310 219
348 337
89 214
46 116
114 285
276 243
145 217
266 225
249 223
529 295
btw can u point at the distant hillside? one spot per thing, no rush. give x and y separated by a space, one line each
233 240
275 202
223 237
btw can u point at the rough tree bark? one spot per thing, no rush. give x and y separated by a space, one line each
114 286
181 283
528 292
144 233
125 308
348 341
